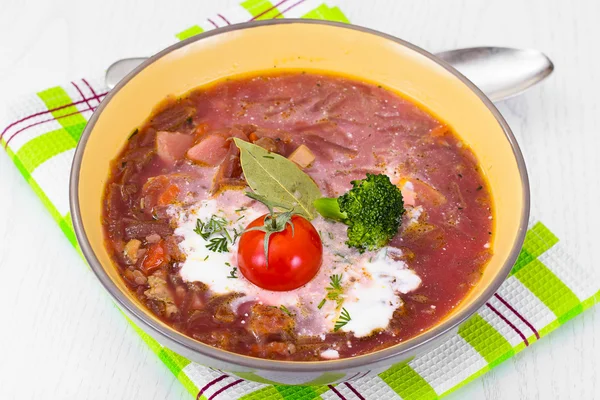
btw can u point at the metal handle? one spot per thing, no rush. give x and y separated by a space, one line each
499 72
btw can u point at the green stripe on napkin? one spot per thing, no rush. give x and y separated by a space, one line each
42 148
261 9
325 13
407 383
69 117
269 392
488 342
189 32
550 290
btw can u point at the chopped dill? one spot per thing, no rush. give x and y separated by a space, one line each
321 304
285 310
343 319
336 281
334 290
236 234
227 235
214 225
233 273
218 244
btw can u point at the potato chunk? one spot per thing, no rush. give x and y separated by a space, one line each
131 250
302 156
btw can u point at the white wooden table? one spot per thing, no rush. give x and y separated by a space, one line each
61 336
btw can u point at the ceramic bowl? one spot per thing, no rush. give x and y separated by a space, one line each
312 46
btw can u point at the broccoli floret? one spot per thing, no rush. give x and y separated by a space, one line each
372 209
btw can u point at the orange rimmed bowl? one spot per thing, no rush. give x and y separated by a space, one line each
308 45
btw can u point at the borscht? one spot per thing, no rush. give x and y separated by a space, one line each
297 216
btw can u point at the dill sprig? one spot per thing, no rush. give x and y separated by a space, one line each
218 244
335 291
343 319
214 225
335 282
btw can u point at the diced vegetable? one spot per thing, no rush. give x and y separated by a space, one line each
160 191
302 156
253 137
155 258
266 143
267 320
159 291
172 146
153 238
211 150
139 278
131 250
169 195
171 245
439 130
223 311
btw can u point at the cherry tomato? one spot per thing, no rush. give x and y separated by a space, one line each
293 259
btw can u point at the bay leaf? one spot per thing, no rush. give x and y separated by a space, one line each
278 179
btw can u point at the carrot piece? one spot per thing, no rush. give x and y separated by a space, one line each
253 137
154 258
169 195
200 130
438 131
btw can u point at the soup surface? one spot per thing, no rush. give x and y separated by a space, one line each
176 210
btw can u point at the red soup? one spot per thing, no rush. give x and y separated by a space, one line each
407 234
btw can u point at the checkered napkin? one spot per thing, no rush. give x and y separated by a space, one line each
544 290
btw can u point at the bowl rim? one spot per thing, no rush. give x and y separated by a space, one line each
390 354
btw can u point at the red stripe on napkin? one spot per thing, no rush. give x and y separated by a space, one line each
514 328
521 317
